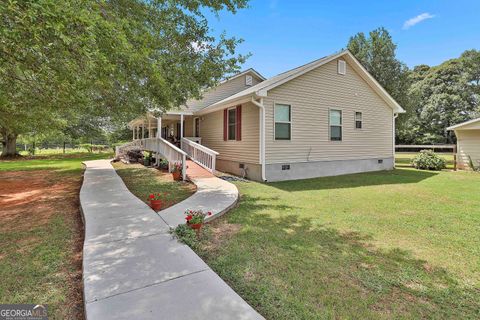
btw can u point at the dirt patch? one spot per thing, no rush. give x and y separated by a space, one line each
220 231
30 200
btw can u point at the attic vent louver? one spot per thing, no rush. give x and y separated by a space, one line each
248 80
342 67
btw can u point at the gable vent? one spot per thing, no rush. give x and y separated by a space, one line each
342 67
248 80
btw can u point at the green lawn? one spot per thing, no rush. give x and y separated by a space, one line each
41 232
394 244
54 161
142 181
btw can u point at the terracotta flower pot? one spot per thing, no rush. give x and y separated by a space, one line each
196 226
177 176
156 204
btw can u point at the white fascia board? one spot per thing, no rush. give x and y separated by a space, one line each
264 91
222 105
466 123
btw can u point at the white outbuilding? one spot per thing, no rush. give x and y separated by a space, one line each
468 143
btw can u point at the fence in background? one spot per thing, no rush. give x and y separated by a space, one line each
439 148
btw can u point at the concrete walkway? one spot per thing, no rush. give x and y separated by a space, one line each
213 194
134 269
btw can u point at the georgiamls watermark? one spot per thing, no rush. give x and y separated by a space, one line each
23 312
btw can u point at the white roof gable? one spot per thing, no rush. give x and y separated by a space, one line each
261 89
467 125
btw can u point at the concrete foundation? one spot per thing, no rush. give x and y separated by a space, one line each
305 170
253 171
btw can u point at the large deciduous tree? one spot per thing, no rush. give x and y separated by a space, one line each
377 54
445 95
61 61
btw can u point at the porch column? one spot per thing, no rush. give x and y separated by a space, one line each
138 132
181 131
143 130
133 133
149 128
159 127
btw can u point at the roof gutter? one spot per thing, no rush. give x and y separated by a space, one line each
262 134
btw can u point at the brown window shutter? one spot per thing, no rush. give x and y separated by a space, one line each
239 123
225 124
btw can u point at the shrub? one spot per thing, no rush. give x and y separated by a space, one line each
163 164
186 235
428 160
135 155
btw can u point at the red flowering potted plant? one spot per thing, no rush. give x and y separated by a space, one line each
177 172
157 200
195 218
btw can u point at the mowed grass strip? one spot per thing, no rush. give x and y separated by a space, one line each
393 244
41 232
143 181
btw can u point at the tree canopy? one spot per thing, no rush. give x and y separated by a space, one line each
64 61
434 97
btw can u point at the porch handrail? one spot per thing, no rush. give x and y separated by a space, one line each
172 153
200 154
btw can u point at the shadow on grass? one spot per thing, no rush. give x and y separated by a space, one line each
290 267
396 176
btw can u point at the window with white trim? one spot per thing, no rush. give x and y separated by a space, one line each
358 120
335 120
283 122
232 123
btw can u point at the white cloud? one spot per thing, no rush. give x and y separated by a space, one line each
413 21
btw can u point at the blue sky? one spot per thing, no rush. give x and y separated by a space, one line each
283 34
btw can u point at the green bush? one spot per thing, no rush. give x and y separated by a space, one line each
428 160
186 235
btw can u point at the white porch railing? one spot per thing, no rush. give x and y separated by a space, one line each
167 150
195 139
202 155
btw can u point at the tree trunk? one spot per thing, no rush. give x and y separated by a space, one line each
9 144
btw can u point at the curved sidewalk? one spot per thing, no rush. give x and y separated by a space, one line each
134 269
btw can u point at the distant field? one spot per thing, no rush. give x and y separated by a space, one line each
404 159
54 151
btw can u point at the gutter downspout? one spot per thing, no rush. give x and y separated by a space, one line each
395 115
262 134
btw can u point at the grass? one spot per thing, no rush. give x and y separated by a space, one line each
41 234
404 159
398 244
58 162
142 181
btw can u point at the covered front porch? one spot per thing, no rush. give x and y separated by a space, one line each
174 137
173 127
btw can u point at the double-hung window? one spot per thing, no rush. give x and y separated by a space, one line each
232 123
283 122
358 120
335 125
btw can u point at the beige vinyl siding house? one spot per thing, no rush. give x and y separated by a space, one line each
233 153
325 118
468 143
311 96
